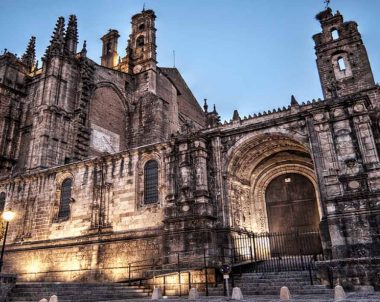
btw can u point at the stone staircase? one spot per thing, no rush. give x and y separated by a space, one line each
78 292
298 283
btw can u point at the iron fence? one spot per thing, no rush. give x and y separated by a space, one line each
273 252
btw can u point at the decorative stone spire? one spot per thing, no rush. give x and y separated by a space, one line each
236 116
213 118
71 37
205 106
293 101
29 57
57 39
83 52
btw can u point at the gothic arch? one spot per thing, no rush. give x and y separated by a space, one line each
249 151
108 134
111 85
253 163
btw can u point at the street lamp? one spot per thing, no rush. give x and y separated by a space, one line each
7 216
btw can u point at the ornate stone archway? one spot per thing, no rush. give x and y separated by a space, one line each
253 164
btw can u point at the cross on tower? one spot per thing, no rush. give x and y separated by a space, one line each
327 2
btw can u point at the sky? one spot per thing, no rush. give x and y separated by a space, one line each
250 55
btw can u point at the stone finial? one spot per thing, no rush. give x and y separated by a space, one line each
293 101
71 36
193 294
205 106
284 294
29 57
53 298
236 116
237 294
84 49
157 294
339 294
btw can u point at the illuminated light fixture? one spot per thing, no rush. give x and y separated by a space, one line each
288 179
7 216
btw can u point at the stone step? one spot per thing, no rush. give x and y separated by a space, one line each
79 292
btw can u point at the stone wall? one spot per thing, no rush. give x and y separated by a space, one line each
107 215
352 273
98 257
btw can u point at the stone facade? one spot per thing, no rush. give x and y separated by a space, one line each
114 163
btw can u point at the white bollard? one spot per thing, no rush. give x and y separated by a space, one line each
53 298
339 294
237 294
284 294
156 295
43 300
193 294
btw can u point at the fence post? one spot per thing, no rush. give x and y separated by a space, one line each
189 281
179 275
129 274
164 289
205 264
254 250
310 275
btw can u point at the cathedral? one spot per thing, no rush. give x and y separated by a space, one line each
112 164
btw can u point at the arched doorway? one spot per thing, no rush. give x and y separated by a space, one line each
291 204
273 193
293 215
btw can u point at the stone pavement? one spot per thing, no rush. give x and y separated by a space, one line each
351 297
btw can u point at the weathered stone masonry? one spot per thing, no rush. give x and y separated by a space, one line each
113 163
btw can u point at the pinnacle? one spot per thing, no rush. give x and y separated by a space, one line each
29 57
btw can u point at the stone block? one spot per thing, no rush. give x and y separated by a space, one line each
193 294
339 294
157 294
53 298
237 294
284 294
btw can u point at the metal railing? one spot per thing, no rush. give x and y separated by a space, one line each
247 252
274 252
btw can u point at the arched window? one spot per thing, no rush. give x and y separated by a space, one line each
335 34
341 64
142 26
64 205
140 41
151 182
108 47
2 201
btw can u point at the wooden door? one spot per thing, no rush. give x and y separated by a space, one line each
292 208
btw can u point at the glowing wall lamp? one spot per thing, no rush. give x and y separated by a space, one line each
7 216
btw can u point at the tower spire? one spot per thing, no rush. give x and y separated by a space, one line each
29 57
57 39
71 37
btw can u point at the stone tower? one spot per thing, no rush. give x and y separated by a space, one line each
342 58
141 49
109 51
54 101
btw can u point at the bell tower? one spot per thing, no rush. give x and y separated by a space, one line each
342 58
109 51
141 49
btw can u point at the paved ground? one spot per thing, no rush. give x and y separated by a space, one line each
351 297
